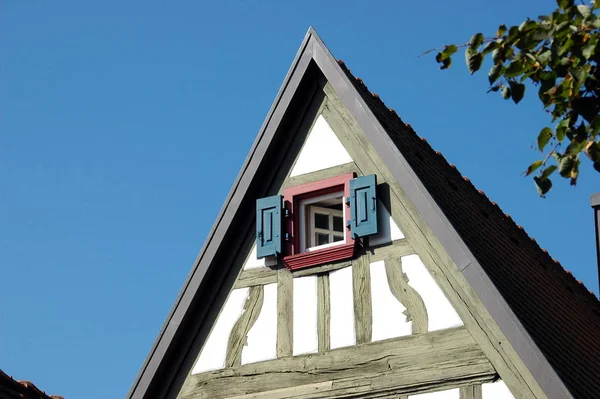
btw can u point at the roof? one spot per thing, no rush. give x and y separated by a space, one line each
559 313
13 389
550 319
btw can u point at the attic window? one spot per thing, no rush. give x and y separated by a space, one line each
316 211
317 222
324 224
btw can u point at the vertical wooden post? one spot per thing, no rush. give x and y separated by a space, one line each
471 392
323 312
285 308
363 312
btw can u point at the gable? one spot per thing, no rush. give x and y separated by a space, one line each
493 331
384 301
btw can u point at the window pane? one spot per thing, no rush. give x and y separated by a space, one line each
321 239
338 223
338 238
322 221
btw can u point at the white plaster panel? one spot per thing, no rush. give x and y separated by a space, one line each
388 319
253 263
447 394
262 337
341 330
212 356
321 150
440 312
305 315
388 230
496 390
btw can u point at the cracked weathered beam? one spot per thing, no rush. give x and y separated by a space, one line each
416 363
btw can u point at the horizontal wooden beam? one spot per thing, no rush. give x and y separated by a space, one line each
322 269
412 364
267 275
322 174
396 250
259 276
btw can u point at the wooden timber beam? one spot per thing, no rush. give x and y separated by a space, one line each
259 276
396 250
411 364
320 175
268 275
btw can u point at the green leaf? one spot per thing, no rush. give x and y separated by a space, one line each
495 73
594 127
565 47
580 136
565 166
474 61
564 4
565 61
584 10
517 91
513 33
561 129
501 30
527 25
505 92
575 173
497 55
542 185
515 68
574 148
533 167
531 74
579 74
543 138
562 26
543 32
548 171
592 150
589 50
544 56
489 47
446 53
476 41
446 63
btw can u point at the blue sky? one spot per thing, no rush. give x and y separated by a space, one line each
123 126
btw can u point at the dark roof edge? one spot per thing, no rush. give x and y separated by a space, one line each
595 200
203 260
512 328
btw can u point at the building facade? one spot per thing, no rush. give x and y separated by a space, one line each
351 260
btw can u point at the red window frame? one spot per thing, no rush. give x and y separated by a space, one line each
294 258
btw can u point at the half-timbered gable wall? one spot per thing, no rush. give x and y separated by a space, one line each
385 323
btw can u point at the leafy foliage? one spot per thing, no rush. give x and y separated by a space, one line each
559 54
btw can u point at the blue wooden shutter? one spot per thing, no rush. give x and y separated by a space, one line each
268 226
363 206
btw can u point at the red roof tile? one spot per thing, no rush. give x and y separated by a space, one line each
21 389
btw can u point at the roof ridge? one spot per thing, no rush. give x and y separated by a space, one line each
567 274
